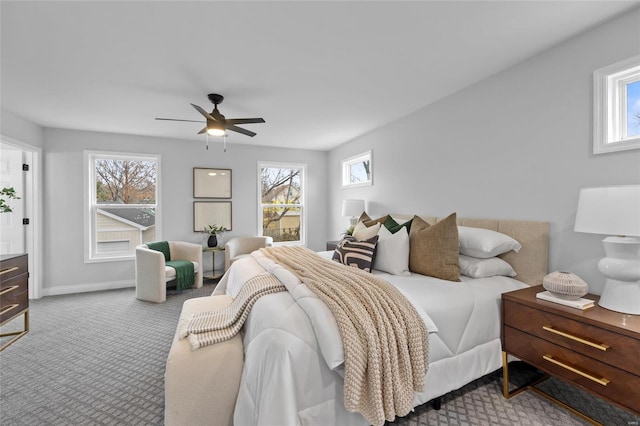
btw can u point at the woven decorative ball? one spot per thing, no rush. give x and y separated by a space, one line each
565 285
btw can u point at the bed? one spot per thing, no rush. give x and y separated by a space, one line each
293 372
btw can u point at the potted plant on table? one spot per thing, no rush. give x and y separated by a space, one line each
213 231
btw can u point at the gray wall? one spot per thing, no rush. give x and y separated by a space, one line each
63 198
22 130
516 146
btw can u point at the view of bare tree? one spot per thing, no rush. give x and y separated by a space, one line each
125 181
281 187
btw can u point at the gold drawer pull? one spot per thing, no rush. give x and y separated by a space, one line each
602 381
8 289
6 271
8 308
600 346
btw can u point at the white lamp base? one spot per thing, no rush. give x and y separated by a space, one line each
622 268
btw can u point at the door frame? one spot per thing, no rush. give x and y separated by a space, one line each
33 210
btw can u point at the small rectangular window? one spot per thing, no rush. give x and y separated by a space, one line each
616 109
357 170
633 109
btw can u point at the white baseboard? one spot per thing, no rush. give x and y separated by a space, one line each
84 288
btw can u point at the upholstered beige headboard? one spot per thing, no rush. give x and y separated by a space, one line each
531 262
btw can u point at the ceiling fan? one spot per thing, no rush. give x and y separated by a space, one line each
217 124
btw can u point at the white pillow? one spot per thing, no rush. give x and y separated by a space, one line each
485 243
482 268
361 232
392 252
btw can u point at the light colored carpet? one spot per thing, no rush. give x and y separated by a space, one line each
99 359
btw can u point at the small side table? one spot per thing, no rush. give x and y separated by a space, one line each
331 245
214 274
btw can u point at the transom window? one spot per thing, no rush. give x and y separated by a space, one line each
281 211
617 107
122 204
357 170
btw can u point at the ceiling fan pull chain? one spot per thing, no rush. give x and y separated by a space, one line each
225 142
207 141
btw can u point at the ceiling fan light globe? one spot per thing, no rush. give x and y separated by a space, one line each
215 131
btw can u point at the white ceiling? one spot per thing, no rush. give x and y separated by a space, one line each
320 73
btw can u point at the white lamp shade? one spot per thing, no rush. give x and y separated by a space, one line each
352 208
611 210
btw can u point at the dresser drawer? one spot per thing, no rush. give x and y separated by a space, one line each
617 385
603 345
14 297
12 268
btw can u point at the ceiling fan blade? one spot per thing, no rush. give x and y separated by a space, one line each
240 130
244 120
177 119
203 112
204 130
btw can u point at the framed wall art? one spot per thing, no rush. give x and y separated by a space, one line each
211 213
211 183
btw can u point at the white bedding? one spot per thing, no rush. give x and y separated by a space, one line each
291 378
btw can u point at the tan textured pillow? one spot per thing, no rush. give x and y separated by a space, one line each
434 248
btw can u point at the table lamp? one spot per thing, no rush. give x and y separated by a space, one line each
615 211
353 209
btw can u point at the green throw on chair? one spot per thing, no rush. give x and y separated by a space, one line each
160 262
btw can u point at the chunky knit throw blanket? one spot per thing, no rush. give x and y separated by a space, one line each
207 328
384 338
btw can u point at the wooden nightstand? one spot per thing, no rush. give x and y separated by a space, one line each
596 349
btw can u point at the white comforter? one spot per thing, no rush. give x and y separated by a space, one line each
293 352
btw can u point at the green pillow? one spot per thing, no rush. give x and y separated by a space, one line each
394 226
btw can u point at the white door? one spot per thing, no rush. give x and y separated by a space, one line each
12 231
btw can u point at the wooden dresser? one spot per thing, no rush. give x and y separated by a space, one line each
596 349
14 294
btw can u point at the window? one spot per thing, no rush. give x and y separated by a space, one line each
617 107
121 204
357 170
281 205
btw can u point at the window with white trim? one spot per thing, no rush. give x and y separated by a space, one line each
122 208
357 170
281 211
616 107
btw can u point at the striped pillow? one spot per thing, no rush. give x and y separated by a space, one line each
357 254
